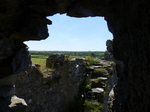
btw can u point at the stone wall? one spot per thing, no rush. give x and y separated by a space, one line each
129 23
56 92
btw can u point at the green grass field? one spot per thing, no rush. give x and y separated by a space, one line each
39 59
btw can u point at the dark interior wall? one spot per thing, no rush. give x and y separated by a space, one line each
128 20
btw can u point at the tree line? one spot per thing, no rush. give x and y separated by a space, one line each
70 53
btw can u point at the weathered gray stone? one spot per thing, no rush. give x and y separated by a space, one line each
7 91
15 100
97 90
56 92
108 56
55 60
109 44
9 80
17 105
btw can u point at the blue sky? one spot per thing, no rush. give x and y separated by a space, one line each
74 34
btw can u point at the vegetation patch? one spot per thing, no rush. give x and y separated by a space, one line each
92 106
91 60
88 85
39 59
101 70
98 79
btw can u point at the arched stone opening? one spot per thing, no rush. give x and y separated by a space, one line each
73 34
127 20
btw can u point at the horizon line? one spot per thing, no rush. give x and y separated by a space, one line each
67 51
